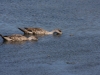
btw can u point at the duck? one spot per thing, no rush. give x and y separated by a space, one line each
40 31
18 37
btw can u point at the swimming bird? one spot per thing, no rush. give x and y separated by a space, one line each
18 37
36 31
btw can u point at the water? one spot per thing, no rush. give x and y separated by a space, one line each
75 52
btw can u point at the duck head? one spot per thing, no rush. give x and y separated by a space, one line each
57 32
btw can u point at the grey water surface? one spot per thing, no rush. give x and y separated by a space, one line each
75 52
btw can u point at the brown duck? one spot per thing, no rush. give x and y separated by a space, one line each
40 31
17 37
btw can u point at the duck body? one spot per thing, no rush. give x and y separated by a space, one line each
17 37
39 31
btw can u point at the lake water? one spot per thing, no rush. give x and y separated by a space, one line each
75 52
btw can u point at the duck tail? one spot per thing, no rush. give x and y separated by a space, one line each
2 37
25 31
21 29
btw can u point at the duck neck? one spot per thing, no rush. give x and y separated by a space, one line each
49 32
29 38
32 38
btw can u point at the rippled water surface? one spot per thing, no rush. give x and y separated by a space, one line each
75 52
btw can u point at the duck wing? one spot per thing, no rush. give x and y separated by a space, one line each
17 37
36 30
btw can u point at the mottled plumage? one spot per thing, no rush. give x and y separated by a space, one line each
18 37
39 31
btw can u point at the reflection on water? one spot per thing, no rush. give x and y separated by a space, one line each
17 42
14 42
